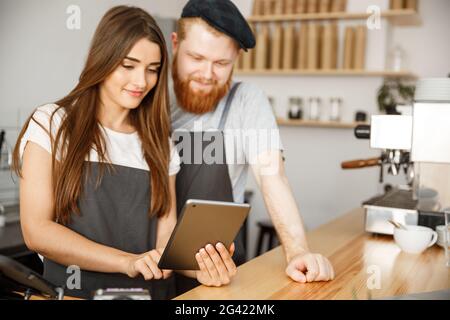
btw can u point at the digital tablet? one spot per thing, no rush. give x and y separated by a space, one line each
202 222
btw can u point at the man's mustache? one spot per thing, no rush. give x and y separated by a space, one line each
204 81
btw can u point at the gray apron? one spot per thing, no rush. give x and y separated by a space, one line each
206 181
114 214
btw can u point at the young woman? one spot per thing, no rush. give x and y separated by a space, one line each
98 170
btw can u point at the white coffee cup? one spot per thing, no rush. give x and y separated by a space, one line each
415 239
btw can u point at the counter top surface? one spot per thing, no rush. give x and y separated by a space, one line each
367 267
361 261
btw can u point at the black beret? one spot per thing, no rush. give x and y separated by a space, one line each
224 16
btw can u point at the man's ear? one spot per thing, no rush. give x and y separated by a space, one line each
238 54
240 51
174 38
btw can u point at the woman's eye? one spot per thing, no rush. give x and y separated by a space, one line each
127 67
152 71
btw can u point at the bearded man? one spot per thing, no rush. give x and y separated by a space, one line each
223 128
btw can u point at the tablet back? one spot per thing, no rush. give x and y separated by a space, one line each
202 222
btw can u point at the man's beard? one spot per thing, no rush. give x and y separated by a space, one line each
197 102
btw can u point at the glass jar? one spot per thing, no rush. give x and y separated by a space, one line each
295 108
397 59
335 109
314 108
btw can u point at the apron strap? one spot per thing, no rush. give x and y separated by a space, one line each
226 109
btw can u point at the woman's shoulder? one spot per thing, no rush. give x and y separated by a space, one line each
40 127
47 110
49 107
44 113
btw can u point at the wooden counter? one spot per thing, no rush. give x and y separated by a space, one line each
356 256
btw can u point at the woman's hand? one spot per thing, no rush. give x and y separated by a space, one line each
147 265
216 265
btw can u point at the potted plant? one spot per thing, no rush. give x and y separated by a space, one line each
393 93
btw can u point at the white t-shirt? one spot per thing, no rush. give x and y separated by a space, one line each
122 148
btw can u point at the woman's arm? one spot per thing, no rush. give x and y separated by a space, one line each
58 243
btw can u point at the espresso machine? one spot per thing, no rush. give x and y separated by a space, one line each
416 145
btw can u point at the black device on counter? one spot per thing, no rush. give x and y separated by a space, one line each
16 278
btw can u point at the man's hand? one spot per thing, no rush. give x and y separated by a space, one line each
216 265
310 267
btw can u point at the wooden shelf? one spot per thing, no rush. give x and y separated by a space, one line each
337 73
403 17
317 124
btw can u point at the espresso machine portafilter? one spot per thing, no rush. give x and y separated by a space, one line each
390 134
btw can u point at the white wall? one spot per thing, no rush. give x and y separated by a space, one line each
41 59
428 46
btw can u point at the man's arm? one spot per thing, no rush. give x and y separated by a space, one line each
303 265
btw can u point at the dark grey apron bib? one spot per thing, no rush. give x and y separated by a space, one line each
205 181
114 214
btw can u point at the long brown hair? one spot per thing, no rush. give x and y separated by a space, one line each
120 28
